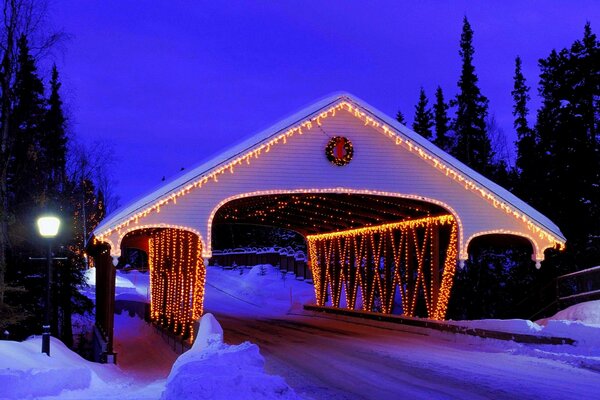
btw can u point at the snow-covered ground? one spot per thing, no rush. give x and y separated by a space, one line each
273 349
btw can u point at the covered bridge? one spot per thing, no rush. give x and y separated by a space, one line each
386 215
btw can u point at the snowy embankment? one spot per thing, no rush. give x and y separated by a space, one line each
212 369
580 322
25 372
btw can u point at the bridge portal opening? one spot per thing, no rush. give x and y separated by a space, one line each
177 276
368 252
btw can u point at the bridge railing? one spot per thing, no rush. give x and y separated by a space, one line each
284 258
577 287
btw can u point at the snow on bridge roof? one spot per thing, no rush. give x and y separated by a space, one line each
205 168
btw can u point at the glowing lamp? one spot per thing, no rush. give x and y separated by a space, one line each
48 226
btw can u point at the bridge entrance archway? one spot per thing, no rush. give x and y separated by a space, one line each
388 254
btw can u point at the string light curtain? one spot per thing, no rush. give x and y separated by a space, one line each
177 276
382 261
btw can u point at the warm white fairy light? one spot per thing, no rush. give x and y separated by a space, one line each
279 138
337 190
538 252
177 279
330 255
121 234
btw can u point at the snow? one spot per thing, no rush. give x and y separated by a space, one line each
265 288
121 281
27 372
587 313
503 325
209 332
212 369
298 354
580 322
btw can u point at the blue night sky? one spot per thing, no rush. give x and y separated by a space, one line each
171 83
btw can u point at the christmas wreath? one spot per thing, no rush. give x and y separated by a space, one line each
339 151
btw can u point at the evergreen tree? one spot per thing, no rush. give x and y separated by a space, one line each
423 121
70 273
28 178
472 143
527 143
400 117
568 130
26 191
20 19
442 122
55 140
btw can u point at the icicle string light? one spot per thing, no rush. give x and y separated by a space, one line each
330 190
379 260
177 277
280 138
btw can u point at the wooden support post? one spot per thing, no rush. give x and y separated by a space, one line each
105 299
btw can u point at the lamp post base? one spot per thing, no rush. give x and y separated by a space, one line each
46 339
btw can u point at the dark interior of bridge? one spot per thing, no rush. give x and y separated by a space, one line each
313 213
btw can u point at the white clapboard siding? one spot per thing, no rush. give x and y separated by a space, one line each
378 165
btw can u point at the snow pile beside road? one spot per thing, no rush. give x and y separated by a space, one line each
585 335
25 372
503 325
587 313
214 370
580 322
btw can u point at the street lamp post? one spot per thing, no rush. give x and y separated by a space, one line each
48 228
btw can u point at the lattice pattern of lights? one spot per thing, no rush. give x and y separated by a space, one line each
177 277
379 260
332 190
368 119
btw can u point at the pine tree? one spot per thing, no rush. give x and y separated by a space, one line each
442 122
70 276
26 191
568 130
472 143
400 117
28 177
527 143
55 140
423 120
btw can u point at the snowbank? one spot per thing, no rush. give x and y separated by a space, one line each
503 325
214 370
585 335
121 282
25 372
209 332
580 322
271 291
587 313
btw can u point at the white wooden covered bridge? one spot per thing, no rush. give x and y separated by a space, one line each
386 214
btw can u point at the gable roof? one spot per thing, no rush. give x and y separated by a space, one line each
270 136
